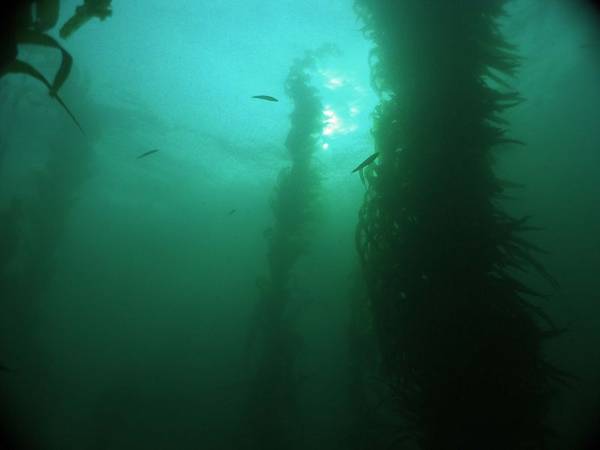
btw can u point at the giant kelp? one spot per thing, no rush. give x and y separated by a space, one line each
20 28
461 341
26 22
366 406
276 341
32 224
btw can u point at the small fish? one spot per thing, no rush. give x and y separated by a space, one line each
230 213
266 97
149 152
364 164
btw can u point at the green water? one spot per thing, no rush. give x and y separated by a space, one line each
131 288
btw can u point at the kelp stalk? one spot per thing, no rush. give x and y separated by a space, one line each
272 403
461 343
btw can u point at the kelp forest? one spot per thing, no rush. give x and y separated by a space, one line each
460 338
357 224
271 415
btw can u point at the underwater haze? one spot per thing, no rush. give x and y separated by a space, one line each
182 273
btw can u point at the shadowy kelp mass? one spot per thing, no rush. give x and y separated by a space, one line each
263 242
32 226
460 340
23 25
272 413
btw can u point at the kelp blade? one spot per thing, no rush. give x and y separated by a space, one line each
19 66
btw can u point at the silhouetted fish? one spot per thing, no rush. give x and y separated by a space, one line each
231 212
266 97
366 162
149 152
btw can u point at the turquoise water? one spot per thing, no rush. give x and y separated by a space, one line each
130 287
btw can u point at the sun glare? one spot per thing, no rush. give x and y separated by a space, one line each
334 83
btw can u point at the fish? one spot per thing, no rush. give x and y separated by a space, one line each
364 164
230 213
149 152
265 97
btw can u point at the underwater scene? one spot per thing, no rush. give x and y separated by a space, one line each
299 224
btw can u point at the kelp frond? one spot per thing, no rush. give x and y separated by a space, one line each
17 66
22 67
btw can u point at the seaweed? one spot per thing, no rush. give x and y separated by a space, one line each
19 66
271 405
24 33
460 336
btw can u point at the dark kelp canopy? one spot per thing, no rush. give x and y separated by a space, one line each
272 414
21 23
460 339
22 67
